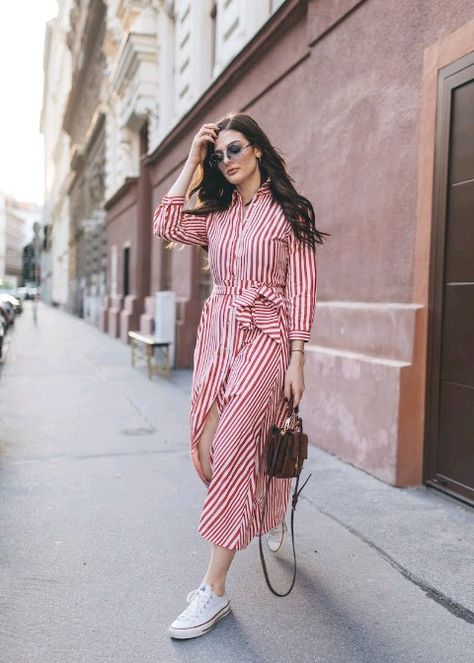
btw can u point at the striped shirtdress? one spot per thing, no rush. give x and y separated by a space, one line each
264 295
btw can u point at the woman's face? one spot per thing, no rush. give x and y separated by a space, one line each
240 166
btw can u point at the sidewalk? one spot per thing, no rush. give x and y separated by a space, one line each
98 517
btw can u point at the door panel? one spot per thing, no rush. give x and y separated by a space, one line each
462 135
460 233
457 356
455 460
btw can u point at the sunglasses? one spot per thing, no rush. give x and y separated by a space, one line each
233 150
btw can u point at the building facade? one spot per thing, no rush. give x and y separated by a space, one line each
161 57
56 88
371 103
385 390
84 123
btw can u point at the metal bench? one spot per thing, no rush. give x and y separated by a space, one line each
150 344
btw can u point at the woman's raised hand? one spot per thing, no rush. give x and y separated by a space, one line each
206 134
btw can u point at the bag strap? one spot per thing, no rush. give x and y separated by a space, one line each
296 494
293 412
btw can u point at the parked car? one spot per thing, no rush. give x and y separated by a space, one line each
32 292
8 312
14 301
26 291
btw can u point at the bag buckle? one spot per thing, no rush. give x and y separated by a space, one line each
287 424
297 423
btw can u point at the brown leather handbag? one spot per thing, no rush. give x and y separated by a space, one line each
286 449
285 452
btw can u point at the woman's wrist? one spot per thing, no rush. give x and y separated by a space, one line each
297 344
190 164
297 357
297 351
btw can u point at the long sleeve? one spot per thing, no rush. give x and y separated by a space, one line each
171 224
301 288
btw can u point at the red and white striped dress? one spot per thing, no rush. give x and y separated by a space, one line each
264 295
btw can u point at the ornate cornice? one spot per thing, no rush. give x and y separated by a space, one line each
135 49
77 159
95 129
81 60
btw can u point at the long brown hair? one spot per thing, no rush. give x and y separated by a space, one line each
214 192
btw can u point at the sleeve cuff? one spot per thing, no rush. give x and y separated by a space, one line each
299 335
172 199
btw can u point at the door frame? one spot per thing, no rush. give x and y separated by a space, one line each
449 77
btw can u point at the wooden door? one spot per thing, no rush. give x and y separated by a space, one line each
449 460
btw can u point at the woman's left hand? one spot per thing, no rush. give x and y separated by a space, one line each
294 381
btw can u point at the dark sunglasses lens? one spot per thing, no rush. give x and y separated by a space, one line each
217 157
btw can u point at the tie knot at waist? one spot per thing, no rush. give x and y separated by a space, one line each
256 304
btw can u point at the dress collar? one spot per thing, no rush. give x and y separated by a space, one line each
264 189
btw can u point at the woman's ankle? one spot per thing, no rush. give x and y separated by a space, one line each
217 587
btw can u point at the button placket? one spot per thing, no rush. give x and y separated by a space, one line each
238 249
244 220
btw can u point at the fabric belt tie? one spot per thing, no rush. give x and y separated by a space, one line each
256 305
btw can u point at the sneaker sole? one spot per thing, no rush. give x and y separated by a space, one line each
186 633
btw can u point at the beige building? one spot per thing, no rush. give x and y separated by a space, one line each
57 83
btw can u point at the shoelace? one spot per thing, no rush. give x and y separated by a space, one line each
197 600
191 595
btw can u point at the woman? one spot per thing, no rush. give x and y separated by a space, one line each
248 360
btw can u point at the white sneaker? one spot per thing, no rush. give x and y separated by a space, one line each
205 609
276 537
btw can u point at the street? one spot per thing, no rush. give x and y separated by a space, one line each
99 510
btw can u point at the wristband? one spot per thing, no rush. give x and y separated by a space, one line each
298 350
